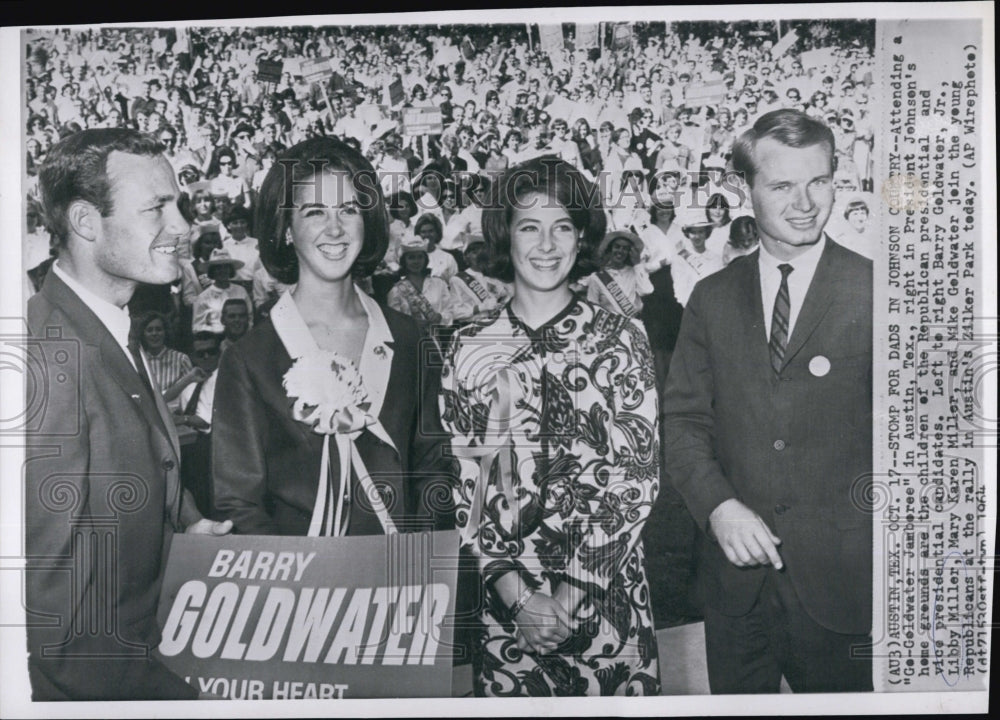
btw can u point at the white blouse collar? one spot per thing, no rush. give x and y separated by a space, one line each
376 354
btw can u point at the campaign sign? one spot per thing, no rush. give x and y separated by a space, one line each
422 121
269 70
710 93
782 46
396 93
316 70
252 617
622 36
551 40
818 58
586 36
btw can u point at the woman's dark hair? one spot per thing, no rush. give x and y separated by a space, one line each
213 168
297 166
402 206
638 175
450 186
854 206
434 169
208 236
429 219
743 232
402 264
213 270
238 212
142 322
478 250
655 205
718 200
562 183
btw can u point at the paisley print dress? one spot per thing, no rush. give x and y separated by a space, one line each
555 431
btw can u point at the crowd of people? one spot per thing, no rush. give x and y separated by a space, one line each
653 118
572 202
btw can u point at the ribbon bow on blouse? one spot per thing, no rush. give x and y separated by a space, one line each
505 390
331 396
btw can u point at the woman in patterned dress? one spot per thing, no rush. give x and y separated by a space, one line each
552 407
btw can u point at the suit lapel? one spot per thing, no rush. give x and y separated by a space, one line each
93 332
115 364
817 302
751 315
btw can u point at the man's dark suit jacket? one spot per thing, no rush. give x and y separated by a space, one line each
796 447
102 500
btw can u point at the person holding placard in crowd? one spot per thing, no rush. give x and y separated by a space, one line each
559 462
330 399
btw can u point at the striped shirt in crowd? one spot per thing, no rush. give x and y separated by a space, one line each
168 367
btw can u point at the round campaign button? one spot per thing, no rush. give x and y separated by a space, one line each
819 366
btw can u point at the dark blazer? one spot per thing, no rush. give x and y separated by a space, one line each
265 464
102 500
795 448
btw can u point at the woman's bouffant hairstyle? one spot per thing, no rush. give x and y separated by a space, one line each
429 219
298 166
561 183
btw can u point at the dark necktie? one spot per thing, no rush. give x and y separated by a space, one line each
140 367
192 404
779 320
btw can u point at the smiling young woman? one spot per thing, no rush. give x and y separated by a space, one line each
307 385
551 405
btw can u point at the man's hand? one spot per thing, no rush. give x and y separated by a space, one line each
543 624
196 374
745 539
210 527
193 421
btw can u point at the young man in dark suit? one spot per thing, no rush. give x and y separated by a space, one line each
103 495
767 425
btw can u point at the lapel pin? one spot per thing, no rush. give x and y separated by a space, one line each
819 366
380 351
136 398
